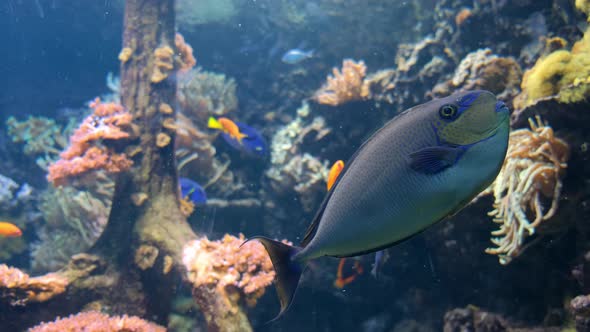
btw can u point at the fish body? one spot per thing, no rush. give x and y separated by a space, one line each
334 173
227 126
253 144
295 56
192 190
422 166
9 230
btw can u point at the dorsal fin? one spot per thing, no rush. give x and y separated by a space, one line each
312 228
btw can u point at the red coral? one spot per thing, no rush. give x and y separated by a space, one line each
93 321
86 151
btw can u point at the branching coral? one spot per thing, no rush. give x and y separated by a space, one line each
344 85
404 86
93 321
292 170
73 221
88 149
202 94
482 70
534 164
564 74
238 272
17 288
41 136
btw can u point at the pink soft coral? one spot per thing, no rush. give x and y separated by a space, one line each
93 321
223 263
87 150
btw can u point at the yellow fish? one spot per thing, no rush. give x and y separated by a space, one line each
227 126
9 230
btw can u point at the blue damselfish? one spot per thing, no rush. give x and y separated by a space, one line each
192 190
253 143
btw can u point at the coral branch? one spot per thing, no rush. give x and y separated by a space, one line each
344 85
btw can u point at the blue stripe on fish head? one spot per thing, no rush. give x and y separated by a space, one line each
476 118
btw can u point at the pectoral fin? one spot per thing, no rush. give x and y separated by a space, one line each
435 159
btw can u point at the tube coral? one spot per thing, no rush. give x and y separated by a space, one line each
87 150
532 169
93 321
344 85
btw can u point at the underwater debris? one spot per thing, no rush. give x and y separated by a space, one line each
93 321
237 272
88 150
344 85
185 58
17 288
534 164
562 74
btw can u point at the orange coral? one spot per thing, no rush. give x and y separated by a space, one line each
462 16
186 59
246 270
18 288
86 152
344 85
93 321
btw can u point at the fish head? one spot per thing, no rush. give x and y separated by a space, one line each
469 117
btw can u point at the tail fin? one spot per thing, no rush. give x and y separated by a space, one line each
213 123
288 271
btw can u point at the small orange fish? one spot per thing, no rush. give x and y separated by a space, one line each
9 230
334 172
227 126
342 281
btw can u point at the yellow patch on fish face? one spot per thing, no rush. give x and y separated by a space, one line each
477 119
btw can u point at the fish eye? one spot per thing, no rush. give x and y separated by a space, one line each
448 111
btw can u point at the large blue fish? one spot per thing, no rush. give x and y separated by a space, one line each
192 190
252 144
418 169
